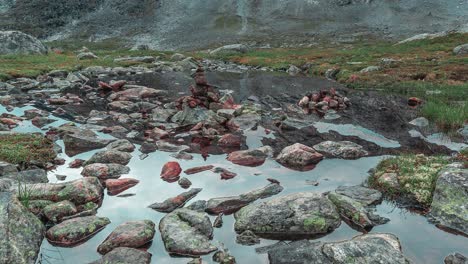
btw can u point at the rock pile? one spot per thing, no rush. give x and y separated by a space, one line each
322 101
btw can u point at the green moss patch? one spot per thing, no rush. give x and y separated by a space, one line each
23 149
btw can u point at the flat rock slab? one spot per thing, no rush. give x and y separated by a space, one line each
298 215
341 149
361 194
134 234
105 171
187 233
21 233
76 143
125 255
229 205
76 231
449 205
171 204
110 156
55 212
369 248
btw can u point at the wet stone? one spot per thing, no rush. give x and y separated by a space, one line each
117 186
198 169
134 234
185 183
171 204
171 171
199 206
78 143
247 238
121 145
105 171
218 222
341 149
455 258
361 194
76 231
187 233
351 211
55 212
299 156
125 255
110 156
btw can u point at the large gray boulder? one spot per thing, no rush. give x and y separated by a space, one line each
461 50
449 204
306 214
16 42
369 248
133 234
187 233
21 233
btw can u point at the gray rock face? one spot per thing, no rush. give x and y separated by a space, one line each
228 21
361 194
461 50
110 156
125 255
187 233
341 149
15 42
134 234
76 143
21 233
227 205
449 204
370 248
105 171
306 214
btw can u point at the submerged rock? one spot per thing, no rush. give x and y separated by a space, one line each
21 233
306 214
125 255
75 231
455 258
229 205
341 149
369 248
187 233
134 234
105 171
449 204
247 238
198 169
180 200
299 156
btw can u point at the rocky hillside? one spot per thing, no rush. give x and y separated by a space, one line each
172 24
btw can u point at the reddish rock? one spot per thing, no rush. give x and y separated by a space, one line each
230 140
58 101
116 186
156 133
414 101
171 204
105 86
171 171
118 85
76 230
198 169
9 121
76 163
299 156
250 158
227 175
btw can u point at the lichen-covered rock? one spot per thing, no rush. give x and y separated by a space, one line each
299 156
79 192
449 205
75 231
351 210
55 212
105 171
32 176
369 248
134 234
361 194
123 255
121 145
247 238
21 233
187 233
341 149
306 214
229 205
171 204
16 42
110 156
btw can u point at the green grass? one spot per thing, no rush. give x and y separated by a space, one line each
417 176
22 149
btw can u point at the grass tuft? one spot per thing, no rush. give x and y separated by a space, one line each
23 149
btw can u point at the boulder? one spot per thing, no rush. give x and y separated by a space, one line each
180 200
229 49
250 158
86 56
351 211
461 50
110 156
230 141
76 143
125 255
192 116
7 168
184 183
105 171
76 231
135 93
247 238
369 248
78 192
16 42
450 200
361 194
299 156
455 258
198 169
341 149
32 176
56 211
229 205
123 145
187 233
21 233
306 214
171 171
134 234
142 59
117 186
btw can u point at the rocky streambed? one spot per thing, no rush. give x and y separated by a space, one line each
220 165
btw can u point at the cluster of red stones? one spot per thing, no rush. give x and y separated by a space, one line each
324 100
